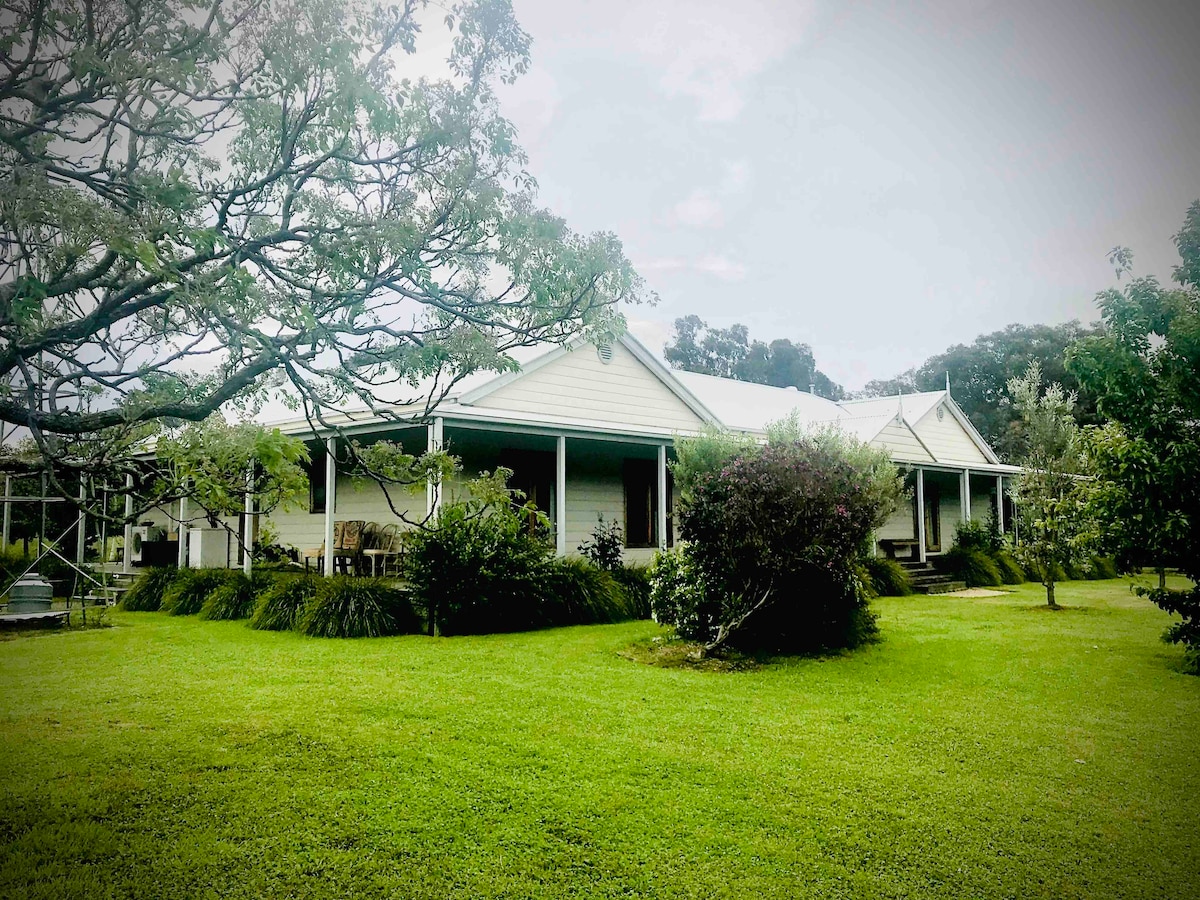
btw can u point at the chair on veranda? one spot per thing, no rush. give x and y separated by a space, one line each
389 548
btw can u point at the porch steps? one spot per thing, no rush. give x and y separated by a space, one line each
925 579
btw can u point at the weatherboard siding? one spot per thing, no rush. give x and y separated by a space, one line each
578 385
947 439
897 440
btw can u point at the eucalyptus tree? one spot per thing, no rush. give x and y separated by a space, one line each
207 204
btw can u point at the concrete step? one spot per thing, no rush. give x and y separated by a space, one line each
941 587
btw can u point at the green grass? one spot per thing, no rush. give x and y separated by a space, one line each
985 748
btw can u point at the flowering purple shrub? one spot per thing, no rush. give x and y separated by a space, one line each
774 534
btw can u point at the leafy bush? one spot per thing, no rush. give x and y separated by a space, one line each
146 592
235 597
577 592
977 535
887 577
974 567
190 588
352 607
1104 567
774 536
604 547
479 571
1010 570
280 606
678 595
635 580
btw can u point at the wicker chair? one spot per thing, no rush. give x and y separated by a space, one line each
388 547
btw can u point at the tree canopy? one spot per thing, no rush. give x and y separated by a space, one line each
1145 372
729 353
213 202
980 373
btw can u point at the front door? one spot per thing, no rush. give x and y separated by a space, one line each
933 518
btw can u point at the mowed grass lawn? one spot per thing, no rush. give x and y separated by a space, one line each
985 748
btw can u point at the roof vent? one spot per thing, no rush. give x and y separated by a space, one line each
605 352
941 412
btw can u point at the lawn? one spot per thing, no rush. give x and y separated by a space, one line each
985 748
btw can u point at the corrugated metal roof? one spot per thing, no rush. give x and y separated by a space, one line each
751 407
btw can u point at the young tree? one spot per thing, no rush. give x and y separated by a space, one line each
1146 372
1048 489
212 202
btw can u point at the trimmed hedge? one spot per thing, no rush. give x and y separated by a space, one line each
354 607
146 592
280 606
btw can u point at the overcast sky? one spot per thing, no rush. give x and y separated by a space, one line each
878 179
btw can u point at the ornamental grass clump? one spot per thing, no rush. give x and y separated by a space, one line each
351 607
886 577
190 589
281 605
234 598
773 544
146 592
577 592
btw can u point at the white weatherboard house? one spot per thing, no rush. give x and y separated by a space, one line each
588 431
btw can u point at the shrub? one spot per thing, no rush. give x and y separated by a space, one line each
977 535
1103 567
1010 570
577 592
678 596
235 597
479 571
604 548
774 535
635 580
974 567
146 592
354 607
191 587
280 606
887 577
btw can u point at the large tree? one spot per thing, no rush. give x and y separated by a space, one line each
980 372
729 353
211 202
1145 370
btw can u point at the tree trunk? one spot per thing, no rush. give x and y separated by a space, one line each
1050 602
1162 578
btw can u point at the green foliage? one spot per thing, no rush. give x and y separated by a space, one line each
235 597
975 567
1144 497
280 606
147 591
191 588
977 535
351 607
729 353
708 451
1010 570
210 460
886 577
1185 604
577 592
604 548
261 179
635 581
773 544
479 569
1102 568
1048 493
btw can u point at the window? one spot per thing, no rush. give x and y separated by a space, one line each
533 475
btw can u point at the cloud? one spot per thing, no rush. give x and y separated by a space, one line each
716 265
704 206
708 51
